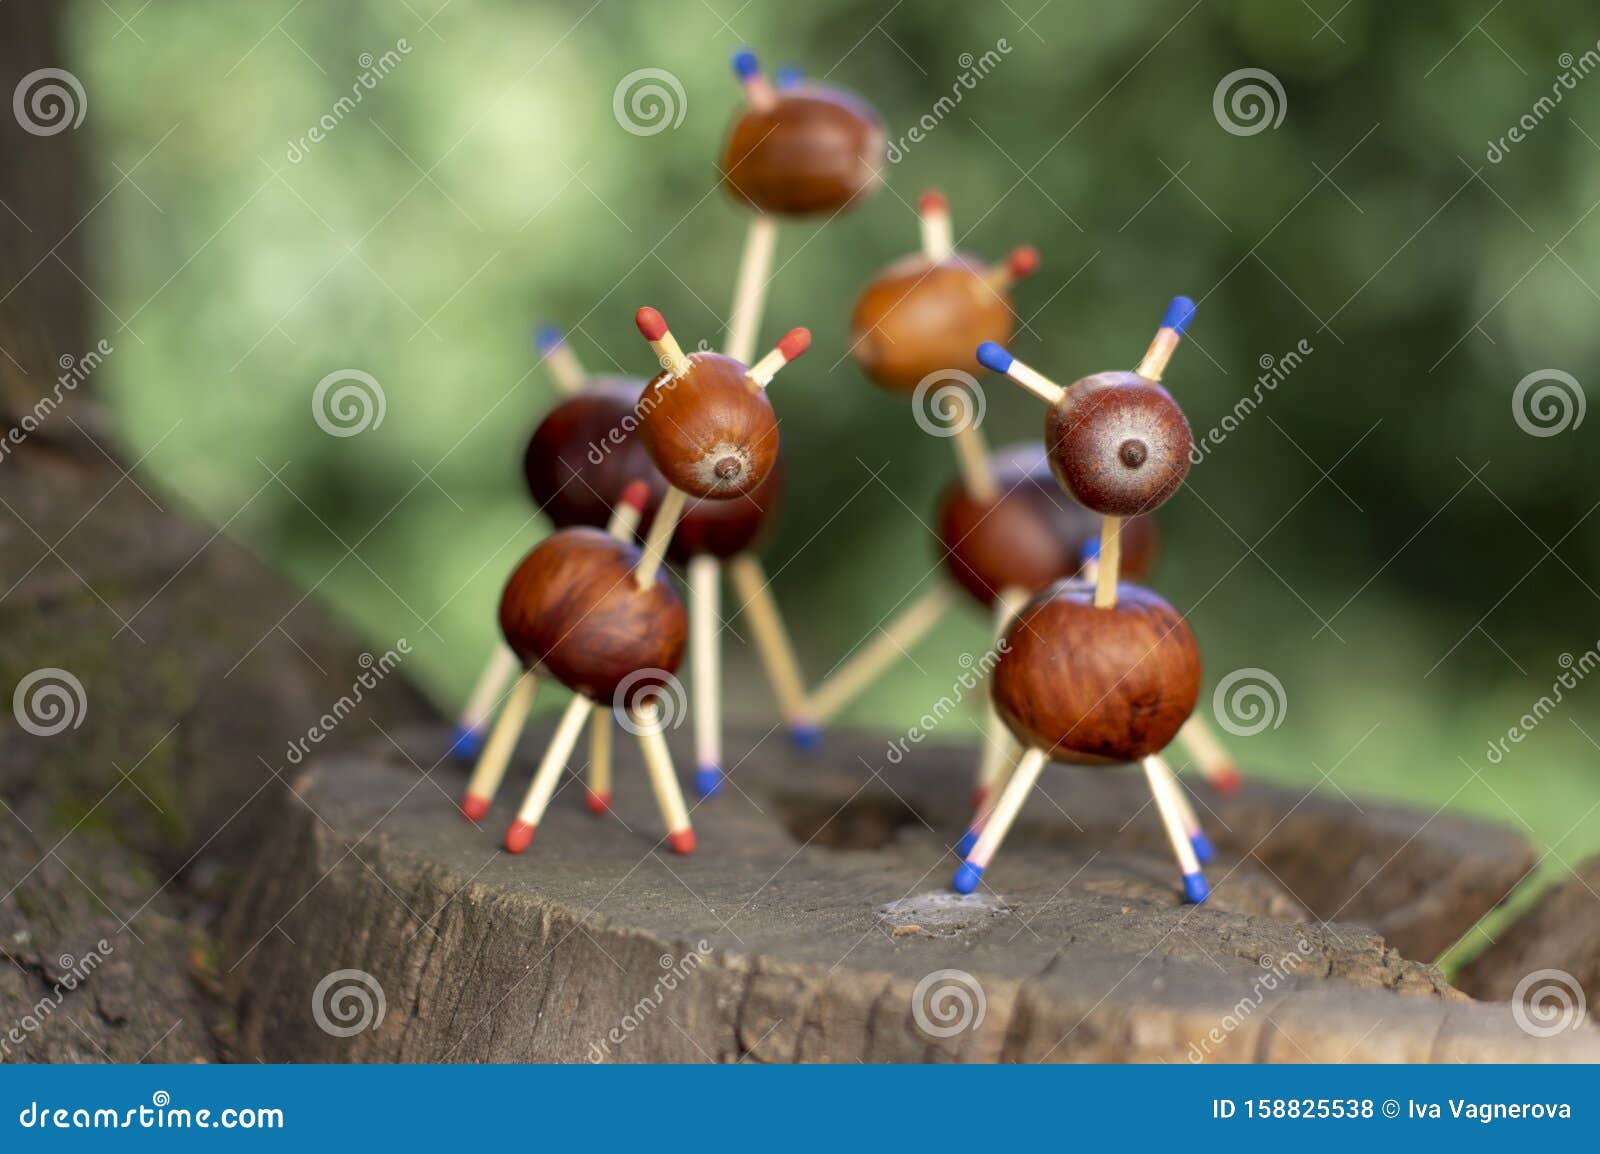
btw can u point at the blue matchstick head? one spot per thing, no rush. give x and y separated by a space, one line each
806 737
1203 848
994 357
745 64
1195 889
788 76
546 338
707 780
967 878
1179 313
968 840
466 744
1091 550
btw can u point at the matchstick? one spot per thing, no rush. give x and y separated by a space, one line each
872 659
1203 849
663 344
661 530
972 454
995 358
467 740
663 781
758 94
543 786
1178 315
1219 769
774 648
598 797
491 767
1109 566
1195 888
705 660
970 872
794 343
1021 264
750 290
560 360
1000 749
934 211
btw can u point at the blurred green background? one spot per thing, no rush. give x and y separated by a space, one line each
1381 534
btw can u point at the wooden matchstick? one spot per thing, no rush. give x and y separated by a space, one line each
560 360
663 780
934 211
972 454
1216 766
661 530
1203 850
794 343
543 786
970 872
995 358
1000 749
705 661
1021 264
599 793
467 741
773 646
750 290
662 343
864 667
491 767
628 510
1195 888
1109 566
1178 315
758 94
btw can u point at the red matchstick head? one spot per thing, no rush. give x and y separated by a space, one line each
682 841
794 342
473 808
1024 261
651 323
932 202
519 836
1227 779
636 496
598 803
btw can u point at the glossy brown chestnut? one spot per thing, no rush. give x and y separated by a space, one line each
814 150
584 452
573 610
917 318
1097 685
711 432
1033 535
1118 443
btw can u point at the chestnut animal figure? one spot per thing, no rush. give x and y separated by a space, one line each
924 314
802 149
1118 444
591 610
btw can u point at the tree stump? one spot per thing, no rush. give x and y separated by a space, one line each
814 923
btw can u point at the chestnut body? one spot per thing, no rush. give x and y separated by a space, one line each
711 432
573 610
1118 443
917 318
1097 685
814 150
1031 536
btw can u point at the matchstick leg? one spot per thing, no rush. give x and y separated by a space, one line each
1216 766
599 792
1203 850
663 780
750 290
1156 773
543 787
467 741
970 872
874 658
496 755
773 646
705 662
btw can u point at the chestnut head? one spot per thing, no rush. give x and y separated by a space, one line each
919 317
1118 443
709 429
1031 536
584 453
572 609
804 150
1097 685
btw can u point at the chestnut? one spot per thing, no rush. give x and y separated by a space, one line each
709 429
803 150
1119 444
